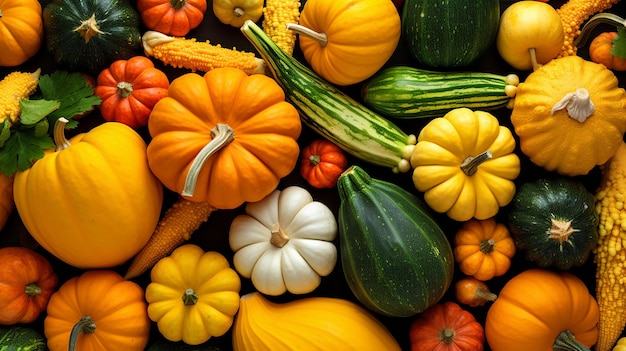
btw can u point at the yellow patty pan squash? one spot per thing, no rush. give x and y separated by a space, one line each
193 295
570 115
223 137
465 165
93 202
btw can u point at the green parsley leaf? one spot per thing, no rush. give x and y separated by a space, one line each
22 149
34 111
619 43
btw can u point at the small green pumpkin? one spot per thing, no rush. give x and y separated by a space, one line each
554 221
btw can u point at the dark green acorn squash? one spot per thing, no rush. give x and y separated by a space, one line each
449 33
91 34
18 338
395 257
554 221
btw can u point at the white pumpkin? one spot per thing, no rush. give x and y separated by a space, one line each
284 242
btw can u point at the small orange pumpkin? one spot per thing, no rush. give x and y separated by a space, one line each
21 25
173 17
321 163
27 280
233 138
600 52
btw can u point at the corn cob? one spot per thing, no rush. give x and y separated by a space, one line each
196 55
573 14
610 253
13 88
276 15
176 226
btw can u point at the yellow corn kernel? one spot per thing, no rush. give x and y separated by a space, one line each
196 55
276 15
573 14
14 87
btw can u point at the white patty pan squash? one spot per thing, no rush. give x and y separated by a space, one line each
284 242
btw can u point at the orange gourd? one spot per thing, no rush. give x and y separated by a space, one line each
473 292
539 308
97 311
6 198
233 138
321 163
27 280
172 17
483 248
600 52
21 28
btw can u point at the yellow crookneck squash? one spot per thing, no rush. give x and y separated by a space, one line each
465 165
224 138
193 295
570 115
92 202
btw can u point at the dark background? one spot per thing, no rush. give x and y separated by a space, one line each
213 235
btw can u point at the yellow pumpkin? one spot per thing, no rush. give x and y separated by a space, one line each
347 41
6 198
465 165
21 28
193 295
93 203
570 115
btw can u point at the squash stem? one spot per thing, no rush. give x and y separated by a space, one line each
279 238
578 105
533 59
32 290
88 28
484 295
566 341
238 11
321 38
470 165
85 325
487 246
315 159
221 136
124 89
446 335
190 297
178 4
599 18
58 135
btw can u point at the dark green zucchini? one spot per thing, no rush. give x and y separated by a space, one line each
395 257
409 92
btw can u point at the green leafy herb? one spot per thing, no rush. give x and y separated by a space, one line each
619 43
60 94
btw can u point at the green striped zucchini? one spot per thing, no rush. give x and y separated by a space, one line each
409 92
332 113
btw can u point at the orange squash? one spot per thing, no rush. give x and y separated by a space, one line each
233 138
600 52
321 163
538 308
21 25
27 280
172 17
97 311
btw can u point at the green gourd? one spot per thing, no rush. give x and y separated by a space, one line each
395 257
17 338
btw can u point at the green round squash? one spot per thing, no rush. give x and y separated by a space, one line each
396 259
554 221
91 34
17 338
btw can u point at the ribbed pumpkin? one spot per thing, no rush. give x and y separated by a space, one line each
233 138
570 115
93 203
465 164
312 323
172 17
357 37
21 25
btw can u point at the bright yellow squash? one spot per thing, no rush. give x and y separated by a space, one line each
93 203
570 115
465 165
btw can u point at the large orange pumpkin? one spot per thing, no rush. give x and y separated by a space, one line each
21 31
225 138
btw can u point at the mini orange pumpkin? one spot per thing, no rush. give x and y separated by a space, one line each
233 138
600 52
173 17
21 25
321 163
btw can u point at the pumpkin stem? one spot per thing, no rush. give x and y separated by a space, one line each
124 89
485 295
32 290
58 135
279 238
446 335
238 11
221 136
177 4
578 105
190 297
590 25
320 38
85 325
315 159
88 28
560 231
487 246
470 165
566 341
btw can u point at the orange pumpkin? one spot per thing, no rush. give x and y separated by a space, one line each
538 308
321 163
7 204
27 280
483 248
129 89
21 28
232 139
600 52
173 17
97 311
